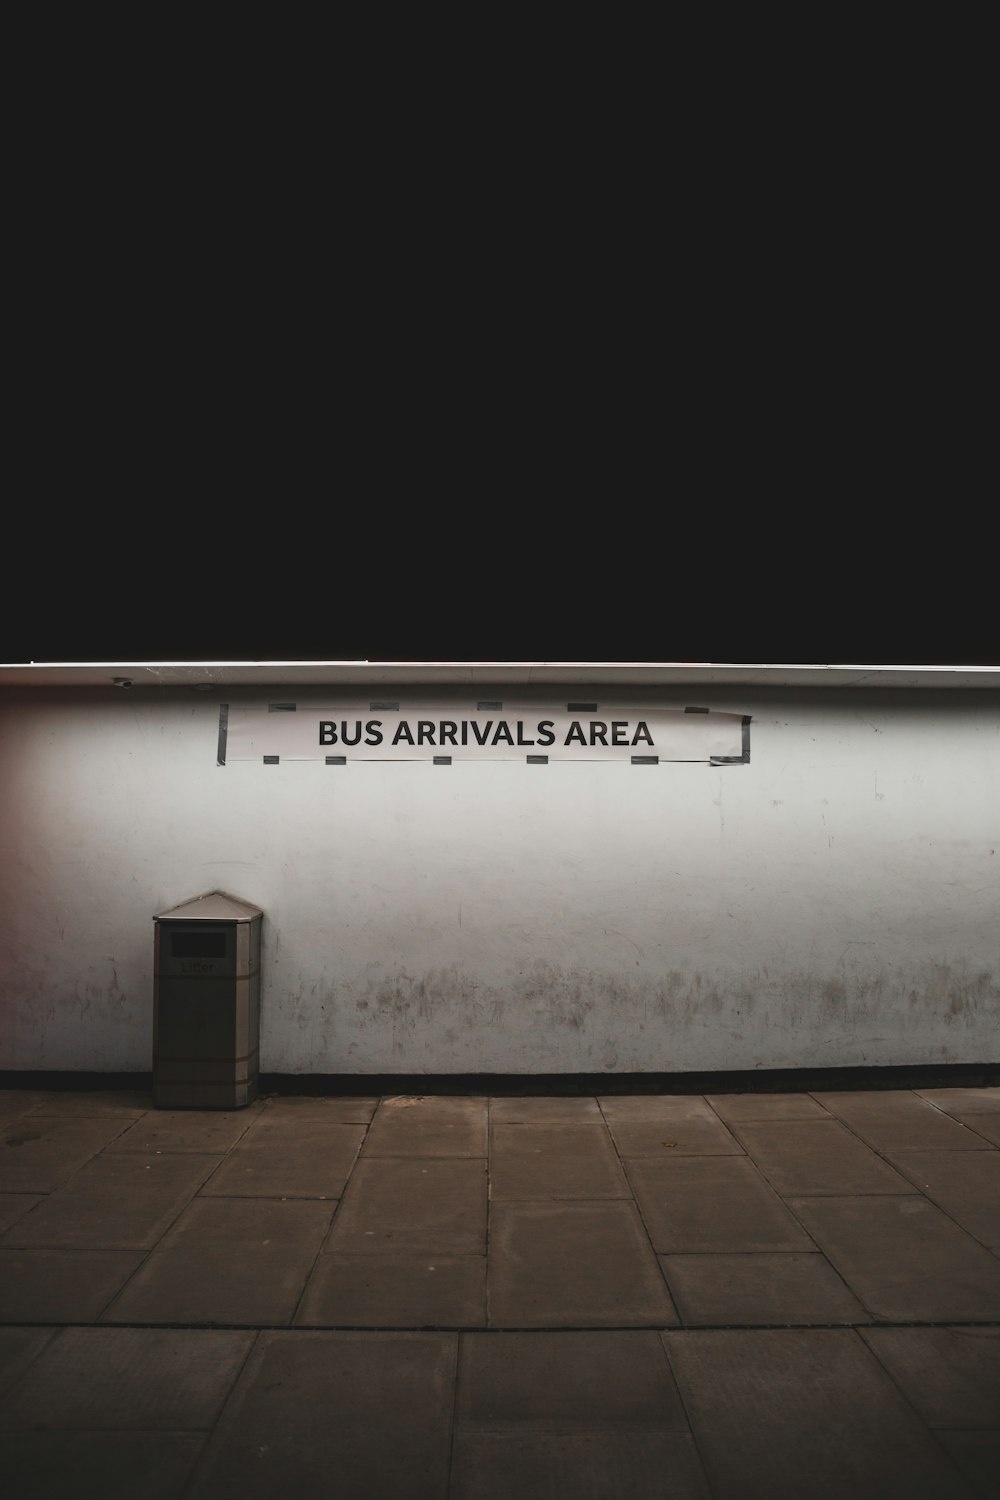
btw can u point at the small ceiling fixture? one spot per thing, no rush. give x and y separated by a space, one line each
123 682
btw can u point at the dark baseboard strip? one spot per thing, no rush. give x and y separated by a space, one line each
732 1081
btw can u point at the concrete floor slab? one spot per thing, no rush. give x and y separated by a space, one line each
331 1108
899 1120
779 1414
19 1347
116 1378
14 1206
396 1290
108 1465
214 1131
951 1375
985 1125
904 1258
712 1204
965 1184
565 1381
306 1159
40 1152
421 1205
758 1106
555 1160
959 1102
227 1260
801 1157
418 1126
61 1286
977 1454
603 1465
545 1110
121 1104
789 1288
573 1264
117 1201
317 1415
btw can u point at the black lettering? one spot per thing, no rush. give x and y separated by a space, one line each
402 733
327 732
520 735
373 732
642 733
503 733
598 732
482 738
357 733
448 732
619 731
425 731
576 735
545 735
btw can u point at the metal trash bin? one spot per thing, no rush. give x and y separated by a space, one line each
206 1003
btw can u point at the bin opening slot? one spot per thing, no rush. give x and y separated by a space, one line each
198 945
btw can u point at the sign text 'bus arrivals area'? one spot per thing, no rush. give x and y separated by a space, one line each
300 730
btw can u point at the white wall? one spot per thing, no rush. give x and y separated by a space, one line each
836 902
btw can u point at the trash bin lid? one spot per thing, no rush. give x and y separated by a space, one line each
213 906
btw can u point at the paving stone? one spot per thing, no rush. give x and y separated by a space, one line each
951 1375
898 1120
147 1378
335 1109
737 1107
121 1103
667 1124
88 1465
18 1348
985 1125
565 1264
802 1157
117 1201
566 1380
780 1414
227 1260
19 1101
14 1206
209 1130
977 1454
418 1126
544 1110
789 1289
959 1102
966 1184
605 1465
904 1258
395 1291
555 1160
306 1159
40 1152
705 1204
359 1416
61 1286
421 1205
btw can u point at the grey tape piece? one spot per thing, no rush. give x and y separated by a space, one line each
581 708
696 710
442 760
385 707
336 760
272 760
223 733
537 760
737 760
281 708
489 706
645 760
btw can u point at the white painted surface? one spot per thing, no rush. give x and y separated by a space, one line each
836 902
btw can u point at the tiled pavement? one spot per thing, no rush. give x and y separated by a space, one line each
727 1296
